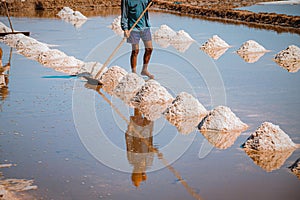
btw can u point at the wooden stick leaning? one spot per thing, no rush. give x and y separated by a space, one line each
121 43
7 14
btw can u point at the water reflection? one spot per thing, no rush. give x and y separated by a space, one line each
269 160
295 168
139 145
220 139
251 57
179 46
215 53
4 76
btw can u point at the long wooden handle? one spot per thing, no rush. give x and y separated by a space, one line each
121 43
7 14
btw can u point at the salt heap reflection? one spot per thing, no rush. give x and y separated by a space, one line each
269 160
220 139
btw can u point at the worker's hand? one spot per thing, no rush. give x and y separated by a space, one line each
126 34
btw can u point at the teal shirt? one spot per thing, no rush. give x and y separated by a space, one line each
130 12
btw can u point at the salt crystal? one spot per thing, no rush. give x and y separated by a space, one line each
269 137
222 119
289 58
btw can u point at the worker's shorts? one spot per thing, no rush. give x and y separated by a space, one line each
135 36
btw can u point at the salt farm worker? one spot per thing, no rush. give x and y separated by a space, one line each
130 12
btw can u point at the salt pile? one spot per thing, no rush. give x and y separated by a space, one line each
116 26
215 43
4 28
185 113
269 137
289 58
12 39
91 68
55 58
222 119
111 78
269 160
221 140
74 17
26 46
215 47
251 47
127 88
185 105
182 36
165 36
295 168
164 32
152 99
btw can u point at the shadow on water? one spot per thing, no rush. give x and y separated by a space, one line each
60 77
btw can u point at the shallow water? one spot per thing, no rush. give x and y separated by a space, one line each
293 10
40 115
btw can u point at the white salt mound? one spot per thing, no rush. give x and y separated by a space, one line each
92 68
30 47
65 12
74 17
129 85
215 43
185 113
4 28
164 32
152 99
60 61
182 36
289 58
185 105
12 39
79 15
116 26
111 78
269 137
251 47
222 119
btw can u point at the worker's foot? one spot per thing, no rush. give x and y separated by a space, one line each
146 73
133 71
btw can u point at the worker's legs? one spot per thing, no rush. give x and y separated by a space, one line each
147 56
133 57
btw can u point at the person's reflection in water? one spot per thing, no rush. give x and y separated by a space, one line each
4 71
139 143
